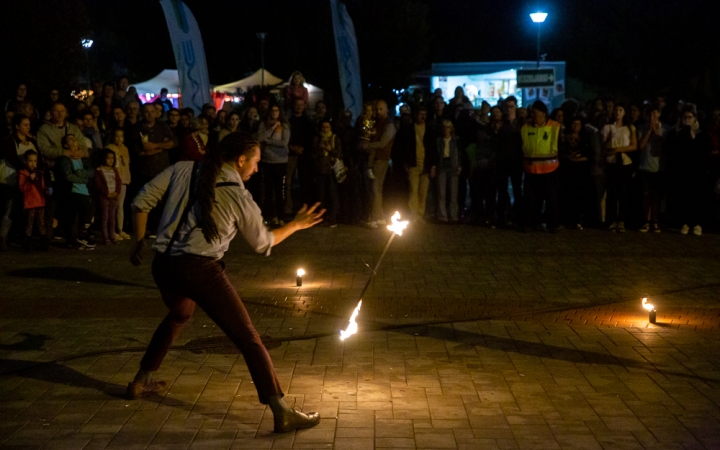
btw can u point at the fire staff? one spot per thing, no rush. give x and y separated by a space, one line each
207 205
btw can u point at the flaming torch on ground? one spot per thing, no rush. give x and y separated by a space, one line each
397 226
650 308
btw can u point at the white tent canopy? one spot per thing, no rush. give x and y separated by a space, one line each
253 80
168 78
315 94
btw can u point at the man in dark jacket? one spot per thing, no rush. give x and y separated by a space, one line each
152 140
438 114
414 154
509 163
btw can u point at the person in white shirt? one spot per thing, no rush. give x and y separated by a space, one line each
619 139
207 206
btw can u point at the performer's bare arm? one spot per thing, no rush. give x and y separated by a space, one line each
305 218
139 225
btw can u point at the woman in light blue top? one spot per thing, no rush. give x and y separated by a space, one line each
274 136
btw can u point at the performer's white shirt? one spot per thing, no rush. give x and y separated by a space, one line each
234 211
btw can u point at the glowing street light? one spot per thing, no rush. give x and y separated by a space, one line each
87 43
538 18
300 274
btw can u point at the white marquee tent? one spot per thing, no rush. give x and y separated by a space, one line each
315 94
253 80
169 79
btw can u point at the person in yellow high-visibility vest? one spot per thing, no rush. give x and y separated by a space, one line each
540 164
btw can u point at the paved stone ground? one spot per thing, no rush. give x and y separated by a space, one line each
469 338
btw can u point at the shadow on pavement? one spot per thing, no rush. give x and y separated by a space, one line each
70 274
542 350
59 374
221 345
56 373
29 343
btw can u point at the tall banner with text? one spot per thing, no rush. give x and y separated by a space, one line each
348 58
189 54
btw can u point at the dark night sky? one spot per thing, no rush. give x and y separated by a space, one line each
630 46
300 33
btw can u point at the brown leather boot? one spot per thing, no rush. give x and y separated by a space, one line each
141 389
291 420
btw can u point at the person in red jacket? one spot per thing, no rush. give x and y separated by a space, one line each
108 186
32 186
192 146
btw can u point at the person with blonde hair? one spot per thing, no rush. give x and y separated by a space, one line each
296 89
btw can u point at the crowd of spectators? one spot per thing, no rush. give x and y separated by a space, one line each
71 167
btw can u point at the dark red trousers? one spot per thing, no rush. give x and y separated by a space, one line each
187 280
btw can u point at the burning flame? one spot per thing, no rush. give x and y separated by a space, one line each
300 272
352 325
397 226
646 305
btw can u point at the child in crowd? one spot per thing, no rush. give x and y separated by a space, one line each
108 186
32 186
73 175
122 157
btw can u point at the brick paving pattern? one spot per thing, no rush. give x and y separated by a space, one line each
469 338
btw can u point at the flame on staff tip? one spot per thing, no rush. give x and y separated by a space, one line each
352 325
397 226
646 305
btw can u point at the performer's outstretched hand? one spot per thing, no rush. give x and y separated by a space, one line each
307 217
136 256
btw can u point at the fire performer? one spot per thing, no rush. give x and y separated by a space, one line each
207 204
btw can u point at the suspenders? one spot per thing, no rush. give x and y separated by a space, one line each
192 198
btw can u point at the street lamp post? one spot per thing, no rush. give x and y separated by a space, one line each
262 36
538 18
87 43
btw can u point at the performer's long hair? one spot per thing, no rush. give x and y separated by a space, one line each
228 150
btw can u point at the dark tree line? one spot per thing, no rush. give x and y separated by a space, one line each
41 43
